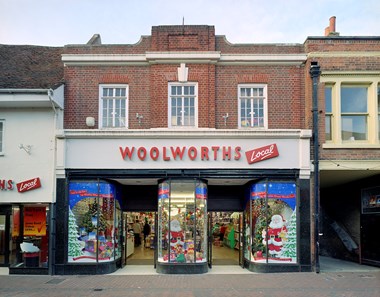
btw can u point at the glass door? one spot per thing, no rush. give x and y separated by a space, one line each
209 240
4 236
241 240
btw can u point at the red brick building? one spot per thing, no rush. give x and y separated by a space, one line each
187 130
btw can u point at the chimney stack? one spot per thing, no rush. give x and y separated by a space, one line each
330 30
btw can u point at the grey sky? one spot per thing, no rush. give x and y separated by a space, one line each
60 22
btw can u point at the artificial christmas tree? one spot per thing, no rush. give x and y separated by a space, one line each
74 244
289 250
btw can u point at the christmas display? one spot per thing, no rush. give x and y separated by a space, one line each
94 222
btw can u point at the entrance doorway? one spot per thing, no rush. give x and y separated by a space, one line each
225 238
140 238
5 217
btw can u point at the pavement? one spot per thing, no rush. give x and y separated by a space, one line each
336 278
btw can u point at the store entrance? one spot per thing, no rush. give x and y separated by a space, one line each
139 238
5 215
225 238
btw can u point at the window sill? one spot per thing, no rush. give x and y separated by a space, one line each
351 145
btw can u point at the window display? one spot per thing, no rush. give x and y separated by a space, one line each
271 223
29 246
94 222
182 225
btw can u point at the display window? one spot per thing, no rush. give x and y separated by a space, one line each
30 237
271 223
182 223
94 222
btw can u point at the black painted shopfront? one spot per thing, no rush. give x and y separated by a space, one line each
89 228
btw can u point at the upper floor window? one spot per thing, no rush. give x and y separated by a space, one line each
113 106
378 111
252 106
183 105
1 137
352 112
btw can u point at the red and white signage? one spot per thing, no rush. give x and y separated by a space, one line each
29 185
262 153
203 153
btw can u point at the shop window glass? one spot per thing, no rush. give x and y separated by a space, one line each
94 223
182 222
30 241
272 236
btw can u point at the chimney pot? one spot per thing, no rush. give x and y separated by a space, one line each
332 24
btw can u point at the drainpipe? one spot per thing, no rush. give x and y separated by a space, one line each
315 73
52 206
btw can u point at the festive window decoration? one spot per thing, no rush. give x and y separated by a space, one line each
271 223
94 222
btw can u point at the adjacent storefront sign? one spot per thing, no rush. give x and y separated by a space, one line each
35 221
6 184
29 185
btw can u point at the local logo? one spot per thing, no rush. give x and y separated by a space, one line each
28 185
262 153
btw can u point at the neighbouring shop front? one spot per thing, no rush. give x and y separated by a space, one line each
24 225
182 180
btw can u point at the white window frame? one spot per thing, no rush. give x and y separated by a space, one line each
335 81
265 105
2 138
101 101
178 84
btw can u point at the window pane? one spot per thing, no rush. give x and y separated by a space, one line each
354 99
328 127
354 127
378 108
328 102
1 136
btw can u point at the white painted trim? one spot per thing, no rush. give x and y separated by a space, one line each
210 57
345 54
188 133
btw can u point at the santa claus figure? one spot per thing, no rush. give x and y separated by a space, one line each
176 235
275 236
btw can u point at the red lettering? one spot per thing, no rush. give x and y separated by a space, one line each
215 150
126 152
141 153
165 157
10 184
204 152
2 184
154 153
227 153
177 152
192 153
237 153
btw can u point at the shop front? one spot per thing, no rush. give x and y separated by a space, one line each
24 227
182 180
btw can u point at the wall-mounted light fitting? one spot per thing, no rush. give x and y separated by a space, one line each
139 117
25 147
225 117
90 122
